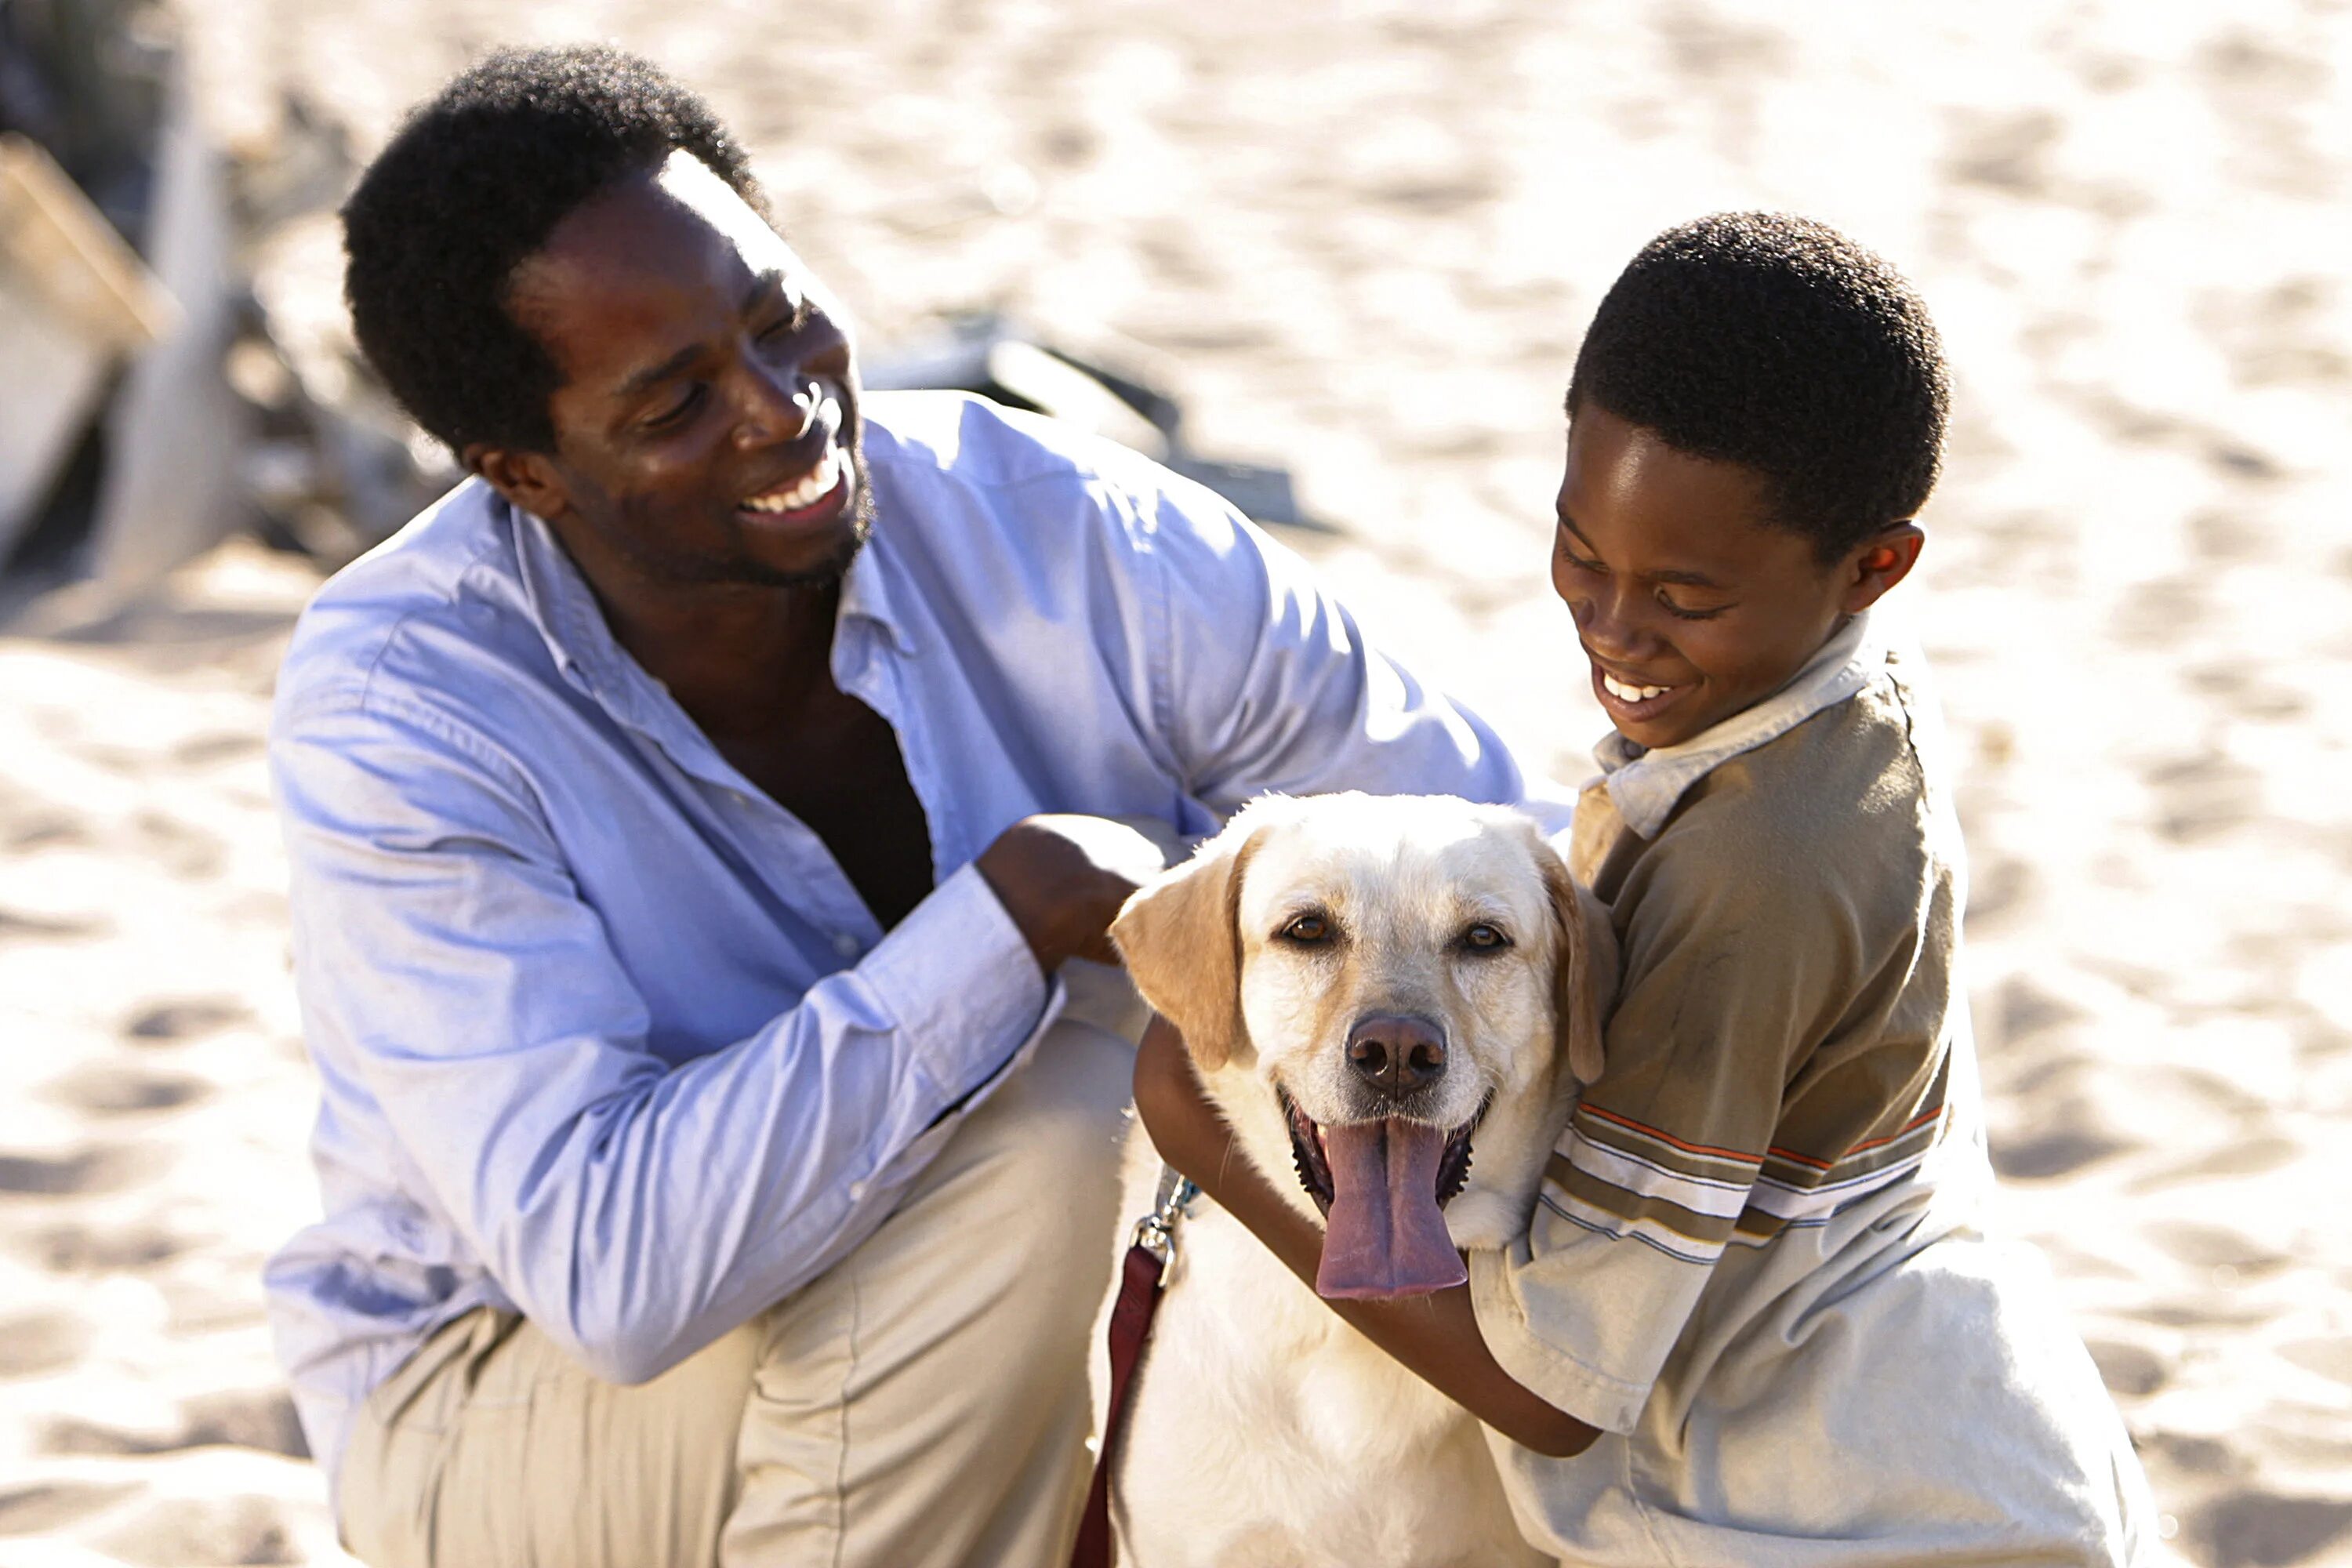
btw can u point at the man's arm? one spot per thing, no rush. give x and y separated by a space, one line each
1435 1336
633 1210
1265 683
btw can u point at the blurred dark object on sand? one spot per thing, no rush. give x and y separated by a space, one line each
146 408
167 378
1000 359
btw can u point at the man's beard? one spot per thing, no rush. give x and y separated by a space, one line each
739 567
758 575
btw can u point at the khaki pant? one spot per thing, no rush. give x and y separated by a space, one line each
924 1403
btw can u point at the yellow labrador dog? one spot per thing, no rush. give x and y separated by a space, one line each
1392 1001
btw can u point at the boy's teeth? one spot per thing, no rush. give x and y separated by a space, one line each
1624 693
817 484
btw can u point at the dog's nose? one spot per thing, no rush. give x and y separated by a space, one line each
1396 1055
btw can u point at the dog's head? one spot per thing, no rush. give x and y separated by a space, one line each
1373 988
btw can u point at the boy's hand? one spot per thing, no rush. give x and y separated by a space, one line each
1184 1127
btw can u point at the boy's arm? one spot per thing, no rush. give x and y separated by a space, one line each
1435 1336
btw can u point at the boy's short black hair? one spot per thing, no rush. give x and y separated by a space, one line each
1774 342
474 182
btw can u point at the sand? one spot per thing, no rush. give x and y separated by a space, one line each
1362 240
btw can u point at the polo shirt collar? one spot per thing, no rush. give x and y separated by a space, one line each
1646 785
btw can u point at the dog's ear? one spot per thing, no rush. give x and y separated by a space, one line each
1585 982
1181 940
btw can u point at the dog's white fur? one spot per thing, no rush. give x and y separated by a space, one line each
1264 1432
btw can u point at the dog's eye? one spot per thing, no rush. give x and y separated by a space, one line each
1306 930
1484 938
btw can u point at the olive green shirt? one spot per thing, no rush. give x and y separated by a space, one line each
1754 1262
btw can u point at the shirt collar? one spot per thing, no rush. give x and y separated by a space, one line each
562 609
1646 785
867 596
568 618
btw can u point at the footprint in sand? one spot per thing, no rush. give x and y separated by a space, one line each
13 924
35 1509
80 1249
107 1168
33 1342
2328 1358
2130 1371
170 1022
2201 795
204 1529
2000 887
2058 1152
2217 1248
2160 613
199 749
118 1091
2260 1530
185 851
2248 1157
262 1419
2003 151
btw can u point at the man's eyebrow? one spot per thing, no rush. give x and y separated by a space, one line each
761 285
1683 579
653 375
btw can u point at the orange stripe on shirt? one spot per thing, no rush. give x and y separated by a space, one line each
1908 1128
1670 1138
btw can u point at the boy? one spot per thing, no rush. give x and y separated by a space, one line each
1753 1321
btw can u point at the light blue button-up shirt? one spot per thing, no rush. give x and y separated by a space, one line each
605 1035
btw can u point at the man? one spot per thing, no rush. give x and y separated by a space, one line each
692 888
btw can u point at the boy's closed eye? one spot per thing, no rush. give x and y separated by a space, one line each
1695 600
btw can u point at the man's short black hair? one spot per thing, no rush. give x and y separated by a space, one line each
474 182
1776 342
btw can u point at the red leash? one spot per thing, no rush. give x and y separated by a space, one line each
1130 1327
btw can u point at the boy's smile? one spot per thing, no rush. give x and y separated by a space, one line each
1690 601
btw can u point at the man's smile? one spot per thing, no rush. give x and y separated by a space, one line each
818 485
800 498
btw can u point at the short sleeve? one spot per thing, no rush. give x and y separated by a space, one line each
1734 966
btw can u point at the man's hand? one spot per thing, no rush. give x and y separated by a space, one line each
1063 878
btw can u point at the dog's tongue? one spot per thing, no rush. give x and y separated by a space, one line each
1385 1235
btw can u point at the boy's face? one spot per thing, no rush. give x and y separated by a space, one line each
1690 603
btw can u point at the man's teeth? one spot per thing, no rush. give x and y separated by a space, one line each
814 487
1624 693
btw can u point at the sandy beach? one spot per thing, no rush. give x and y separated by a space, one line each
1362 240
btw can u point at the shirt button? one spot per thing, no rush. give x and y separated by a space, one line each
844 944
857 1192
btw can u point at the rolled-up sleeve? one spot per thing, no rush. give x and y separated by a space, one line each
1265 683
632 1209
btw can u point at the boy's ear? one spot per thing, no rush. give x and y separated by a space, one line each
1878 563
1180 937
1585 981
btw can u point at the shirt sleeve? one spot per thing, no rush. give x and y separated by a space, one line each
632 1210
1264 683
1731 971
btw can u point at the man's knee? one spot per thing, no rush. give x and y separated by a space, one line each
1046 1153
493 1445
